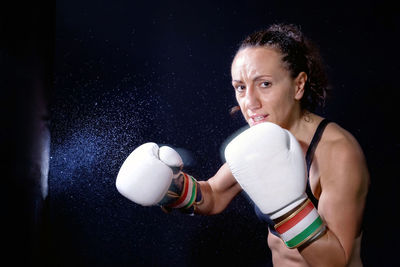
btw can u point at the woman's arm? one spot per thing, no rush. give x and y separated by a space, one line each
218 192
344 185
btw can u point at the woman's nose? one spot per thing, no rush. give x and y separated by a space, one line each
252 99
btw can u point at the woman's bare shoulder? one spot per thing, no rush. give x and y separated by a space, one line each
341 156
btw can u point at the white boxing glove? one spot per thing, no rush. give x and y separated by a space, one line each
268 163
152 176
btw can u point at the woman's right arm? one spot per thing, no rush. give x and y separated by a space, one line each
218 192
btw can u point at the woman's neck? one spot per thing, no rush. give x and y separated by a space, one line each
304 126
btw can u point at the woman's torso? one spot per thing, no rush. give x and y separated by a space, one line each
281 255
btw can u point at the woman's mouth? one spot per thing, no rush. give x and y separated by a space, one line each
256 119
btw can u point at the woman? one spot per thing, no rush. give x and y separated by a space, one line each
278 78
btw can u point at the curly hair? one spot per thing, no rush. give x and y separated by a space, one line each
299 55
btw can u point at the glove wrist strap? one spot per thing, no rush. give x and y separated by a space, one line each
188 198
189 193
300 225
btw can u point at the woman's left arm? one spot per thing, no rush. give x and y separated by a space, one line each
344 185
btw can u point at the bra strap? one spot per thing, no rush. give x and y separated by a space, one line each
310 156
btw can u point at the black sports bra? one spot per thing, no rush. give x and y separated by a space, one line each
309 158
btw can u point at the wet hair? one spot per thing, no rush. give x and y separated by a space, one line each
299 54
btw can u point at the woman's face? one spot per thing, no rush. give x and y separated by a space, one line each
265 90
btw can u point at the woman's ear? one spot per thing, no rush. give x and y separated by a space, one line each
300 83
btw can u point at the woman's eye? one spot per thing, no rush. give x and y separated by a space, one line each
265 84
240 88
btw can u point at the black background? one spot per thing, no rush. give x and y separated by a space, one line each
127 72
